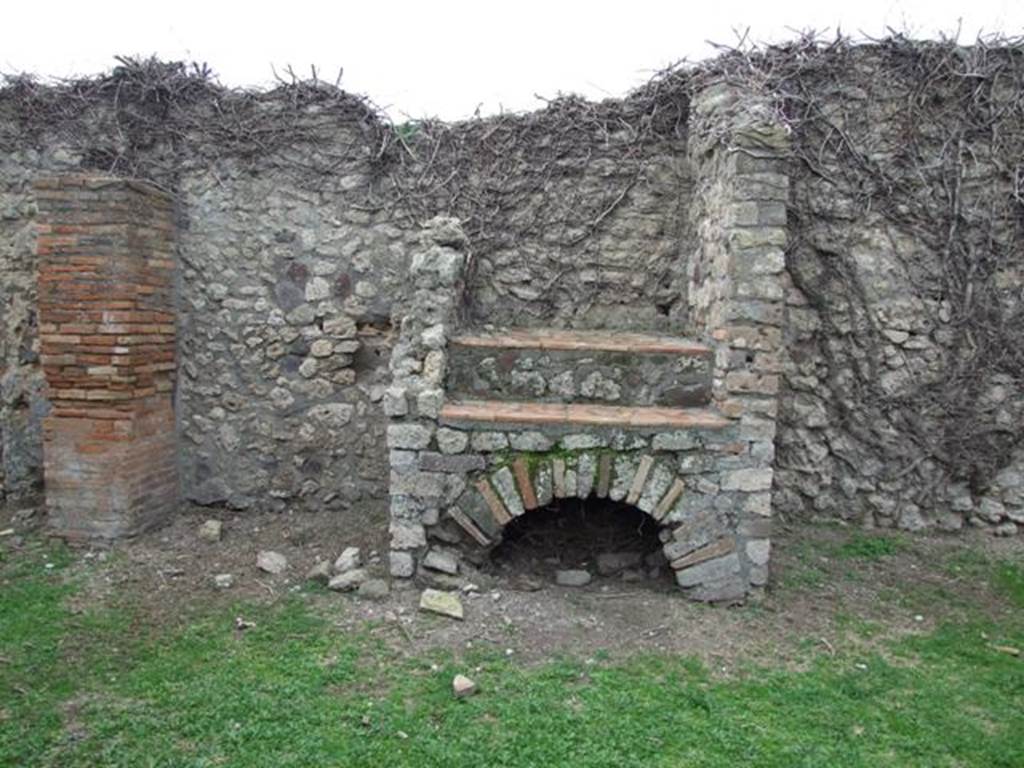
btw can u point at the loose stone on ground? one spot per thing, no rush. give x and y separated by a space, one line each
463 687
347 581
572 578
211 531
271 562
350 559
444 603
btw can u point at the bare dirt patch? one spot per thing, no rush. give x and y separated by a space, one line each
832 588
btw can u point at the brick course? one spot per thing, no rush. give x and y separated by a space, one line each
107 349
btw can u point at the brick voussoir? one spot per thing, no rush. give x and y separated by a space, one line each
720 548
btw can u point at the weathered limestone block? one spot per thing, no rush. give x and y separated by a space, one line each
718 569
451 440
410 436
505 485
626 466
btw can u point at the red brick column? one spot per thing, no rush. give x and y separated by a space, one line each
107 336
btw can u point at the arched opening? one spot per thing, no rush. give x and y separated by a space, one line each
574 542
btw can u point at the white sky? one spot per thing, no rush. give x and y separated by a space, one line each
443 57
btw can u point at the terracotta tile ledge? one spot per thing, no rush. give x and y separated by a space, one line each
498 412
598 341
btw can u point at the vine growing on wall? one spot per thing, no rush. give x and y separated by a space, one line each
510 178
922 140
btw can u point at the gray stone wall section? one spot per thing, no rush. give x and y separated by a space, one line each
23 400
885 388
738 147
568 376
625 275
414 398
285 333
274 413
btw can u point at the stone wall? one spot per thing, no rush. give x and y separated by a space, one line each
285 308
293 250
463 469
902 391
299 211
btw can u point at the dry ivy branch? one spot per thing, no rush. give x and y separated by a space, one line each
928 137
939 156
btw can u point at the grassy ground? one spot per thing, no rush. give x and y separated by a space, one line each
99 686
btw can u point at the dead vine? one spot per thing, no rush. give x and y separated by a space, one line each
926 137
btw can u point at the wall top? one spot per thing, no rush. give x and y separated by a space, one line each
94 183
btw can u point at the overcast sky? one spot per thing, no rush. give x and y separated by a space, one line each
446 59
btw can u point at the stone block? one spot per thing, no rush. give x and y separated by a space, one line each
639 480
429 402
583 442
748 480
719 569
462 463
530 441
658 482
407 535
505 486
421 485
451 440
444 603
403 461
543 483
488 442
444 562
758 504
572 578
348 581
758 551
675 441
625 469
558 477
409 436
586 474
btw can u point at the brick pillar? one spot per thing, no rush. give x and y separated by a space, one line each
107 337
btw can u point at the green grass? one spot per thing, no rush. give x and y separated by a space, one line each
809 571
861 546
1009 580
96 689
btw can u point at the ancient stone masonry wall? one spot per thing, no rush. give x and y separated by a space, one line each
873 277
23 402
462 469
285 316
737 150
903 393
413 401
576 212
297 212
